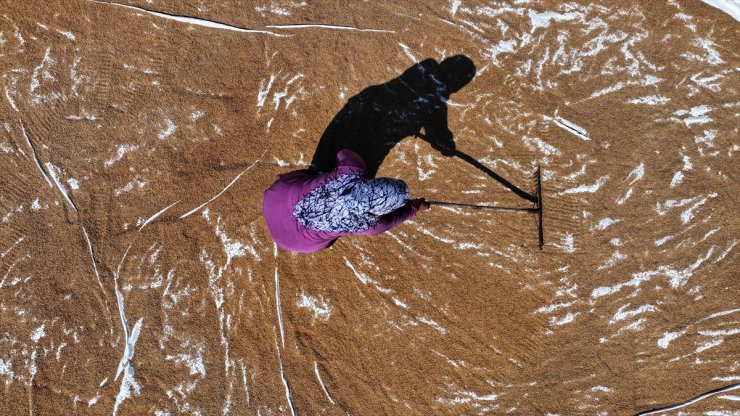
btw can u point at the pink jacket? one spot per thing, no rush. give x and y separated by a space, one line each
280 199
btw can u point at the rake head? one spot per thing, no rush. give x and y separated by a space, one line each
538 206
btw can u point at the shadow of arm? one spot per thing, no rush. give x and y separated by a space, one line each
436 130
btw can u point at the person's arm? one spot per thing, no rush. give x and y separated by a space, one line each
390 220
437 133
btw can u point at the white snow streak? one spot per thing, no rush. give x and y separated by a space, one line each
277 299
586 188
606 222
128 382
223 190
677 179
36 157
697 115
407 51
359 275
454 6
650 100
190 20
92 257
677 277
542 19
324 26
570 127
120 152
59 185
670 336
264 90
288 395
321 382
622 314
160 212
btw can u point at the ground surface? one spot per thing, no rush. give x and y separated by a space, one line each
137 275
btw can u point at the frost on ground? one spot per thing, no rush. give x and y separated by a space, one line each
136 141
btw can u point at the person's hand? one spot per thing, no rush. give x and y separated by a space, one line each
421 204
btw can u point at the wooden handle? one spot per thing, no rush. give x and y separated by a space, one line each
474 206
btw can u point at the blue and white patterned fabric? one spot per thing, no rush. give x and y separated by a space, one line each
350 203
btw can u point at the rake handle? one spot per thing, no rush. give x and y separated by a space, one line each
474 206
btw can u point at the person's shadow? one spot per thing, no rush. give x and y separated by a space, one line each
379 117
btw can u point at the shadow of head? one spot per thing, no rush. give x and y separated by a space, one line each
456 72
372 122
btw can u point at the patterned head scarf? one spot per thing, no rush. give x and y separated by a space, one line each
379 196
350 203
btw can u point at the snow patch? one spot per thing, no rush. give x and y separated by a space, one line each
606 222
454 6
321 310
686 216
168 130
564 320
542 19
570 127
636 174
38 333
68 35
677 179
194 362
697 115
535 143
568 245
650 100
129 186
678 277
196 115
501 47
128 383
264 90
667 338
621 314
586 188
616 257
73 183
730 397
464 397
433 324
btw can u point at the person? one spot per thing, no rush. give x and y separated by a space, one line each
306 211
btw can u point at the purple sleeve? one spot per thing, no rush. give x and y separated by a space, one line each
351 159
392 219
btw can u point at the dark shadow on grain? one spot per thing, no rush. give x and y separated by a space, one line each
379 117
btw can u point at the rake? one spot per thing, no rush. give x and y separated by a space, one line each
535 198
